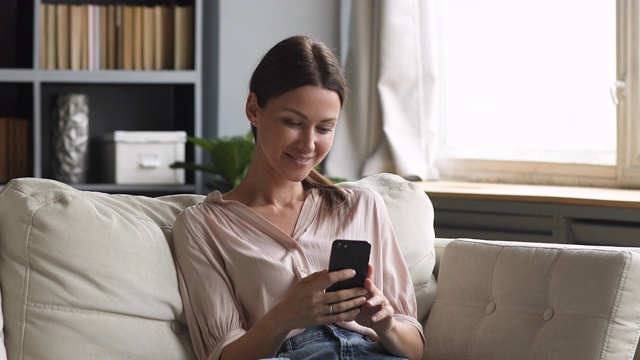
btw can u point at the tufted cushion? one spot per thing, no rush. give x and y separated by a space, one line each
501 300
89 275
411 214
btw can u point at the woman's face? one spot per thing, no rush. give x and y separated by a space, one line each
295 131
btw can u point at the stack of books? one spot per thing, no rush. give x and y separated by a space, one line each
14 148
117 34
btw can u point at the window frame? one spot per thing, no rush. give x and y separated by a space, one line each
626 172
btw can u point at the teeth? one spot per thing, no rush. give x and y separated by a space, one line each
299 158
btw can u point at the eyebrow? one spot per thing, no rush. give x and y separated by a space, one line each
304 116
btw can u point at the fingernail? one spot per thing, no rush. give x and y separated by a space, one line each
352 272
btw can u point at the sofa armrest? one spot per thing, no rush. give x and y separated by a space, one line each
506 300
439 245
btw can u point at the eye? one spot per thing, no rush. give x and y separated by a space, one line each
325 129
292 123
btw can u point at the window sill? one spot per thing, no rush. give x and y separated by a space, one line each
568 195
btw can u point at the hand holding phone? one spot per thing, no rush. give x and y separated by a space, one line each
349 254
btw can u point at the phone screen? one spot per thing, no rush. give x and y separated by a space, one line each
349 254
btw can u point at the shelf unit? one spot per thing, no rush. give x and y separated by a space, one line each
143 100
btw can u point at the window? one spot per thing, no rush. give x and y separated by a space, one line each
530 88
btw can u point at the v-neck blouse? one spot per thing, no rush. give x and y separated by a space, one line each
234 265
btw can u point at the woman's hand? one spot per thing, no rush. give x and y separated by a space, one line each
376 313
307 304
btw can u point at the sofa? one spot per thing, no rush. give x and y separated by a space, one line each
90 275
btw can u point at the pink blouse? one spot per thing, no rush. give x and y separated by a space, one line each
234 265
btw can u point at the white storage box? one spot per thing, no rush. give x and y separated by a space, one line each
143 157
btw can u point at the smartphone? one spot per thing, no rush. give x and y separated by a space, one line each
349 254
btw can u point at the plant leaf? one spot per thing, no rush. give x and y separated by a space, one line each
231 157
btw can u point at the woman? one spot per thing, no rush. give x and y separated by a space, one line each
252 263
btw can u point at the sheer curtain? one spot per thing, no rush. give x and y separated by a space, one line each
389 51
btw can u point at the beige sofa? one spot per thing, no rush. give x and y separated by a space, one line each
87 275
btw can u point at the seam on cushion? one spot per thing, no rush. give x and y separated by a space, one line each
422 285
614 306
27 277
80 311
550 276
27 263
493 298
399 186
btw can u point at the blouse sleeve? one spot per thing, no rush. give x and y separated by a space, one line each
210 308
396 281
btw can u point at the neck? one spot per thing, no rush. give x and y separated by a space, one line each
258 191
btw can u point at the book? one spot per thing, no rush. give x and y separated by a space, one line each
76 29
148 37
183 51
137 36
62 36
127 29
21 148
86 33
50 35
43 36
103 35
112 53
163 37
10 146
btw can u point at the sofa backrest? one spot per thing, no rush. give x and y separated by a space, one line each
91 275
411 213
87 275
508 300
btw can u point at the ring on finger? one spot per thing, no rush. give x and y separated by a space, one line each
330 309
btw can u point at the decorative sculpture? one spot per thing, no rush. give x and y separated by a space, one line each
70 138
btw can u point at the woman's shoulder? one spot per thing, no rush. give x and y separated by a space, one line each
211 205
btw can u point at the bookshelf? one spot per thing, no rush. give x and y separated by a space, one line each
141 99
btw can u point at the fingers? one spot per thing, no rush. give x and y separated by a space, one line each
316 275
326 278
342 311
381 306
370 271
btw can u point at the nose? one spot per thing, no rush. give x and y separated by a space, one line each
307 140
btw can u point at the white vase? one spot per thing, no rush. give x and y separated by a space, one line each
70 138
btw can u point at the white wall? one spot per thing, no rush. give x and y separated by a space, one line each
247 29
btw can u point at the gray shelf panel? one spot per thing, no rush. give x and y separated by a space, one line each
119 77
16 75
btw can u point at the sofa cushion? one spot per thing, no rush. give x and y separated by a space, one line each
3 350
89 275
411 214
507 300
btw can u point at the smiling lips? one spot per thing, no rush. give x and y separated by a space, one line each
300 160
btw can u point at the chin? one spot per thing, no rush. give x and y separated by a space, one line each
298 177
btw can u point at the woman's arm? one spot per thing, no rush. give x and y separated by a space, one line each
398 338
306 305
402 340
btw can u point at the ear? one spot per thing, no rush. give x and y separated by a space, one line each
252 107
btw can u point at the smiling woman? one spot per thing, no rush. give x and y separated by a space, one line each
253 262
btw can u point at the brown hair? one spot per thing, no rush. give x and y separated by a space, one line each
294 62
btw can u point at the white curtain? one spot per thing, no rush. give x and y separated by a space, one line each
389 51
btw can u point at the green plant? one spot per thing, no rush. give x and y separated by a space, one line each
230 158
